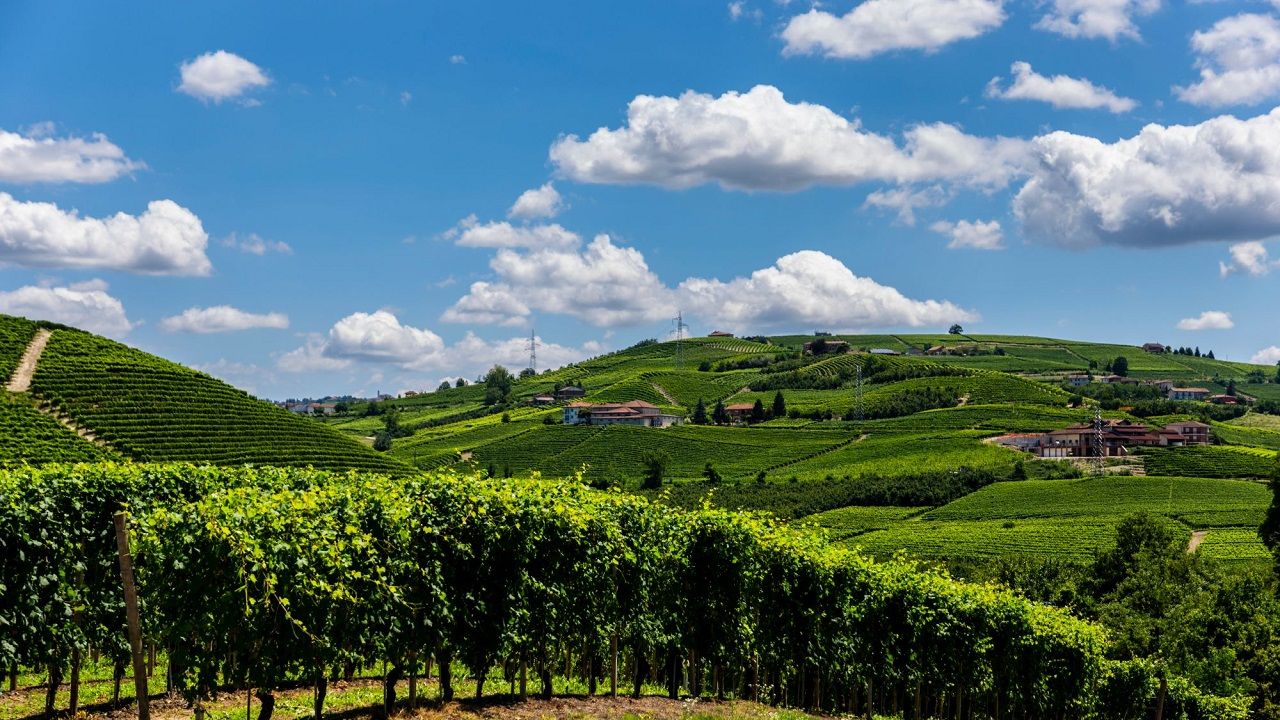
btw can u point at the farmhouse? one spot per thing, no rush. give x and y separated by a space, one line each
1224 399
1078 380
571 391
1119 438
739 412
720 333
634 412
543 399
1153 347
1191 393
884 351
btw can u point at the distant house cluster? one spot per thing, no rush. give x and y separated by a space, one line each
1119 438
634 412
1168 387
310 408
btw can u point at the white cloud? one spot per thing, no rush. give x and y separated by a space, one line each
810 288
1266 356
471 233
537 203
85 305
218 76
379 337
254 244
759 141
879 26
906 199
167 239
1219 180
1059 91
1248 257
976 235
1239 61
603 284
222 318
406 97
457 60
1110 19
311 357
738 9
1208 320
36 157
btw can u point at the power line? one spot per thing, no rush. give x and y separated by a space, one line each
680 328
533 351
1098 449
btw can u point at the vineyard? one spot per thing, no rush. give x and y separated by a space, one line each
1222 461
15 333
32 437
150 409
303 573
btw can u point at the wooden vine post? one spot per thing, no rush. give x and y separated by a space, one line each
131 615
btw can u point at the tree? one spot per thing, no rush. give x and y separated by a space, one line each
700 413
719 415
1231 387
779 405
391 424
444 385
1278 371
1197 351
1019 471
497 385
527 373
1210 355
460 383
506 417
655 468
956 330
709 472
757 412
1120 366
382 441
1269 532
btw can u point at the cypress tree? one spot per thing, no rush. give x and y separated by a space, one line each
779 405
700 413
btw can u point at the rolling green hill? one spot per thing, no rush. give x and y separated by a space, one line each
141 407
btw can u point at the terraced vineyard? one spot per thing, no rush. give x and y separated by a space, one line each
1221 461
15 333
975 540
30 436
151 409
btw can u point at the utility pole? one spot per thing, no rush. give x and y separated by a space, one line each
1099 450
533 351
680 328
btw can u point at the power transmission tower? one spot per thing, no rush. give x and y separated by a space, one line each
533 352
1099 451
680 328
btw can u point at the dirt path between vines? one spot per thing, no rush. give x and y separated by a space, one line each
663 392
21 380
1197 537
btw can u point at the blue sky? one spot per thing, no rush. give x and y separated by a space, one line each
310 192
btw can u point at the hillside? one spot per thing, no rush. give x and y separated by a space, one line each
132 405
924 417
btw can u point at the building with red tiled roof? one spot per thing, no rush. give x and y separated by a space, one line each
632 412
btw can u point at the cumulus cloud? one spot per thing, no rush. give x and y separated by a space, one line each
760 141
36 157
380 338
222 318
810 288
906 199
457 60
1219 180
602 284
1266 356
254 244
86 306
1208 320
167 239
1110 19
879 26
975 235
1239 61
537 203
1059 91
1250 258
469 232
218 76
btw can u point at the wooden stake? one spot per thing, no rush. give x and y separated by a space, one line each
131 615
613 666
